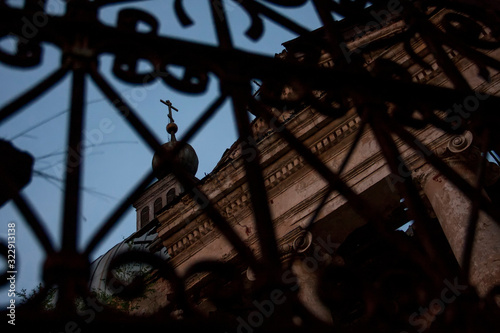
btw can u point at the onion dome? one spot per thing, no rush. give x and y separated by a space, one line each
187 157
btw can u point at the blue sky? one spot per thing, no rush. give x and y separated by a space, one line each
115 158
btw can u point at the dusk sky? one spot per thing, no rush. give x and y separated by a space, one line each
115 158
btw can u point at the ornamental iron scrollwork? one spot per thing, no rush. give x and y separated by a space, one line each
383 292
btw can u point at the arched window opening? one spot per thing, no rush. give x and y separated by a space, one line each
144 216
170 195
157 205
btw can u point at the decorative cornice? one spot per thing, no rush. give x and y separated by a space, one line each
231 205
294 164
234 206
190 238
238 206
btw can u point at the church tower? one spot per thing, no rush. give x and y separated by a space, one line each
155 199
163 192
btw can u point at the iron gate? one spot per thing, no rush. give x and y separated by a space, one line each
83 39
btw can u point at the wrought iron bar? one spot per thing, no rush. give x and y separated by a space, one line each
416 207
33 93
475 204
111 221
73 171
258 192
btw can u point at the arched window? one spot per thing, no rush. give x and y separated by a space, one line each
144 216
157 205
170 195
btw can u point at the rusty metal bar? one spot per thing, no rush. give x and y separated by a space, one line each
125 111
74 161
33 93
29 213
475 204
407 190
346 160
111 221
255 181
220 21
35 222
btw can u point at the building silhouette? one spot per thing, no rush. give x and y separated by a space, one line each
336 260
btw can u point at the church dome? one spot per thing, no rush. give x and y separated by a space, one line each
141 241
186 157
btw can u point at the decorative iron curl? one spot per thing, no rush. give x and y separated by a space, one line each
138 285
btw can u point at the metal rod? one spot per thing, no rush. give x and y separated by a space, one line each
416 208
221 23
25 208
475 204
111 221
74 163
33 93
256 187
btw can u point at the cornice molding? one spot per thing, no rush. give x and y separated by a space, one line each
201 230
239 206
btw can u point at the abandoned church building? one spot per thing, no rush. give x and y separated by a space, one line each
336 259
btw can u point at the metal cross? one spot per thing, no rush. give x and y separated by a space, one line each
170 108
